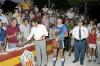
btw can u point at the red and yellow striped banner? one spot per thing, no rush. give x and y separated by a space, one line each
13 57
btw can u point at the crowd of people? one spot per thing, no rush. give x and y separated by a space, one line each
63 26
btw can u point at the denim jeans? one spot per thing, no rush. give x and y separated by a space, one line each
41 50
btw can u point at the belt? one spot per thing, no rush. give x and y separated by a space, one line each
39 40
80 40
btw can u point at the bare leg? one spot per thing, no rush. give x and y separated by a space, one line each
62 56
54 56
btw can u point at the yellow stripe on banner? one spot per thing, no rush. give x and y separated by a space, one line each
13 61
49 47
16 60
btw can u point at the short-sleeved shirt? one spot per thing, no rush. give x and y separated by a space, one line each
84 32
62 31
25 30
10 31
38 31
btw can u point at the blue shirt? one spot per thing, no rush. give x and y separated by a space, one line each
62 30
2 35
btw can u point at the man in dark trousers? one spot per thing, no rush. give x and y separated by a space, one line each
80 35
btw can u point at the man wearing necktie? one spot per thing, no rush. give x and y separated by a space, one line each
80 34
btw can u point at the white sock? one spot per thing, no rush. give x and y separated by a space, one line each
54 59
90 58
62 59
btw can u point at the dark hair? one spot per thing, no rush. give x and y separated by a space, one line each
25 20
35 21
14 19
93 29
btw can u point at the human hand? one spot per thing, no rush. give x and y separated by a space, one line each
43 37
57 39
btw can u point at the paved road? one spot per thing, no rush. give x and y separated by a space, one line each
69 59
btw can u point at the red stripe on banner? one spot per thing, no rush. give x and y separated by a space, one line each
49 42
16 53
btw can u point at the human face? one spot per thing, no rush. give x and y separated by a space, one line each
26 22
34 24
26 12
14 23
91 22
59 21
66 22
80 24
16 11
93 31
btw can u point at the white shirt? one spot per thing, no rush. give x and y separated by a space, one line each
25 30
4 19
84 33
45 9
37 32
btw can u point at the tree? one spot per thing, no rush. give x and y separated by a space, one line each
80 3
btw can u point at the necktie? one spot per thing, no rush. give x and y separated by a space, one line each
79 33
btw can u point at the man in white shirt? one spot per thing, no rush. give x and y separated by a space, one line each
39 32
80 34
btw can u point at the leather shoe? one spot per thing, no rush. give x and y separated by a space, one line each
74 61
81 63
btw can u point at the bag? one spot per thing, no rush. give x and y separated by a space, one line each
55 44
